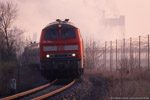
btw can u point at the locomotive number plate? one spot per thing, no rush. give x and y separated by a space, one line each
60 48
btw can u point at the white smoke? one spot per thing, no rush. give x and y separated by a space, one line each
87 15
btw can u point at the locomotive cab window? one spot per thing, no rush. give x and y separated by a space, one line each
51 34
68 34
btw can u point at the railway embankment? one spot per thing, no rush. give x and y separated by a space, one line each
89 87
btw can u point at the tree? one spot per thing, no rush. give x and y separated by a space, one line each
10 37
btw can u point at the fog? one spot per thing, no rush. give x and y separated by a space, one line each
87 15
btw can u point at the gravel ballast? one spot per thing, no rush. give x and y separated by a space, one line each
88 87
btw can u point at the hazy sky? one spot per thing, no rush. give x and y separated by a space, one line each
137 14
85 14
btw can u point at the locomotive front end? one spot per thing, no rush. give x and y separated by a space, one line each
61 51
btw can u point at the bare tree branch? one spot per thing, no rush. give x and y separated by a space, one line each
8 14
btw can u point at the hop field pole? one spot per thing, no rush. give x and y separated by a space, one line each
0 43
116 56
139 52
148 58
148 51
140 57
0 54
103 56
93 55
111 57
105 52
122 66
131 56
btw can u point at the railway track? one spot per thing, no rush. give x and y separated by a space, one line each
38 89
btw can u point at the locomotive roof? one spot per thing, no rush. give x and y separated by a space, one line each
33 45
64 24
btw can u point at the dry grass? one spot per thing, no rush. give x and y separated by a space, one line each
136 84
9 70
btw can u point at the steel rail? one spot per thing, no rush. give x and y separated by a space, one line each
54 92
28 92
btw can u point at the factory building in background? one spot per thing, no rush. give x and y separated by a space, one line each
114 27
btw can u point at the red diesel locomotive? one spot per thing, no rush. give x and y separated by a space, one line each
61 50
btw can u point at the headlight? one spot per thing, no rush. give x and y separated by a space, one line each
73 55
47 56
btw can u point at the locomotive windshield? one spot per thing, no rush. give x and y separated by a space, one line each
51 34
68 34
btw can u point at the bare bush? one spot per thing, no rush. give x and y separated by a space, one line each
7 71
92 54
